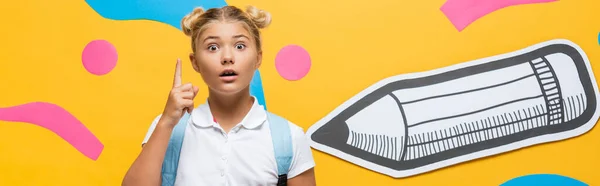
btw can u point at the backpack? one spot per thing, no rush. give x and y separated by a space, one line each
280 135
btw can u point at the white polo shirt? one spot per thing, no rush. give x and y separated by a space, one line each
244 156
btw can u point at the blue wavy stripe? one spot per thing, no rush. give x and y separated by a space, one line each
543 180
165 11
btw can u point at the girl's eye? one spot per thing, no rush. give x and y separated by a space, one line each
240 46
212 47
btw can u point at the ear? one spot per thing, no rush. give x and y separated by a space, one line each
259 59
194 62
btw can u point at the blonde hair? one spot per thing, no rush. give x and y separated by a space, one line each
254 19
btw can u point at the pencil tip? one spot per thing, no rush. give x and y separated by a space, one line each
333 133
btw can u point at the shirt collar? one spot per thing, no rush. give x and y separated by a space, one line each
202 116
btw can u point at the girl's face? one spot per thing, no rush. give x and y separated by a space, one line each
226 57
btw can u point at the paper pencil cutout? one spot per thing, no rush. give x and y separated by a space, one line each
414 123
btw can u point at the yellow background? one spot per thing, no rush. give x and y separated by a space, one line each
353 44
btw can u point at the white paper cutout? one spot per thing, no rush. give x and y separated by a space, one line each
415 123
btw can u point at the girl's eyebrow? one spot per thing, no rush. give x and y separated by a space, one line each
210 37
235 37
240 36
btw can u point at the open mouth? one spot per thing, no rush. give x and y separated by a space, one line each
227 73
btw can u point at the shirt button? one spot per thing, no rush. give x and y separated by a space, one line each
222 174
223 158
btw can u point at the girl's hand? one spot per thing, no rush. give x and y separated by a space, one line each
181 99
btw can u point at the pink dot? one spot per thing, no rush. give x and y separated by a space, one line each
292 62
99 57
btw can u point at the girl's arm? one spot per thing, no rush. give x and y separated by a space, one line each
302 170
146 169
307 178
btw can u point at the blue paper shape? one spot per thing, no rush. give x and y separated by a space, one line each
165 11
543 180
256 89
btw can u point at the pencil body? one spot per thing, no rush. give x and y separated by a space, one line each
409 124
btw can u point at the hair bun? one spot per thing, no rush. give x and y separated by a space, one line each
188 22
260 17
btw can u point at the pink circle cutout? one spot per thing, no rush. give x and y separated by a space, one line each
292 62
99 57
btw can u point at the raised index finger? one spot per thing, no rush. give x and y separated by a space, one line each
177 79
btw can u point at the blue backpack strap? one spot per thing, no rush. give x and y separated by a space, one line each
171 161
282 145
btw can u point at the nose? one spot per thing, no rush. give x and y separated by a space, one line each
227 57
227 60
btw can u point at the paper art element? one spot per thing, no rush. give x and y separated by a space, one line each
256 89
165 11
414 123
292 62
464 12
99 57
57 120
543 180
